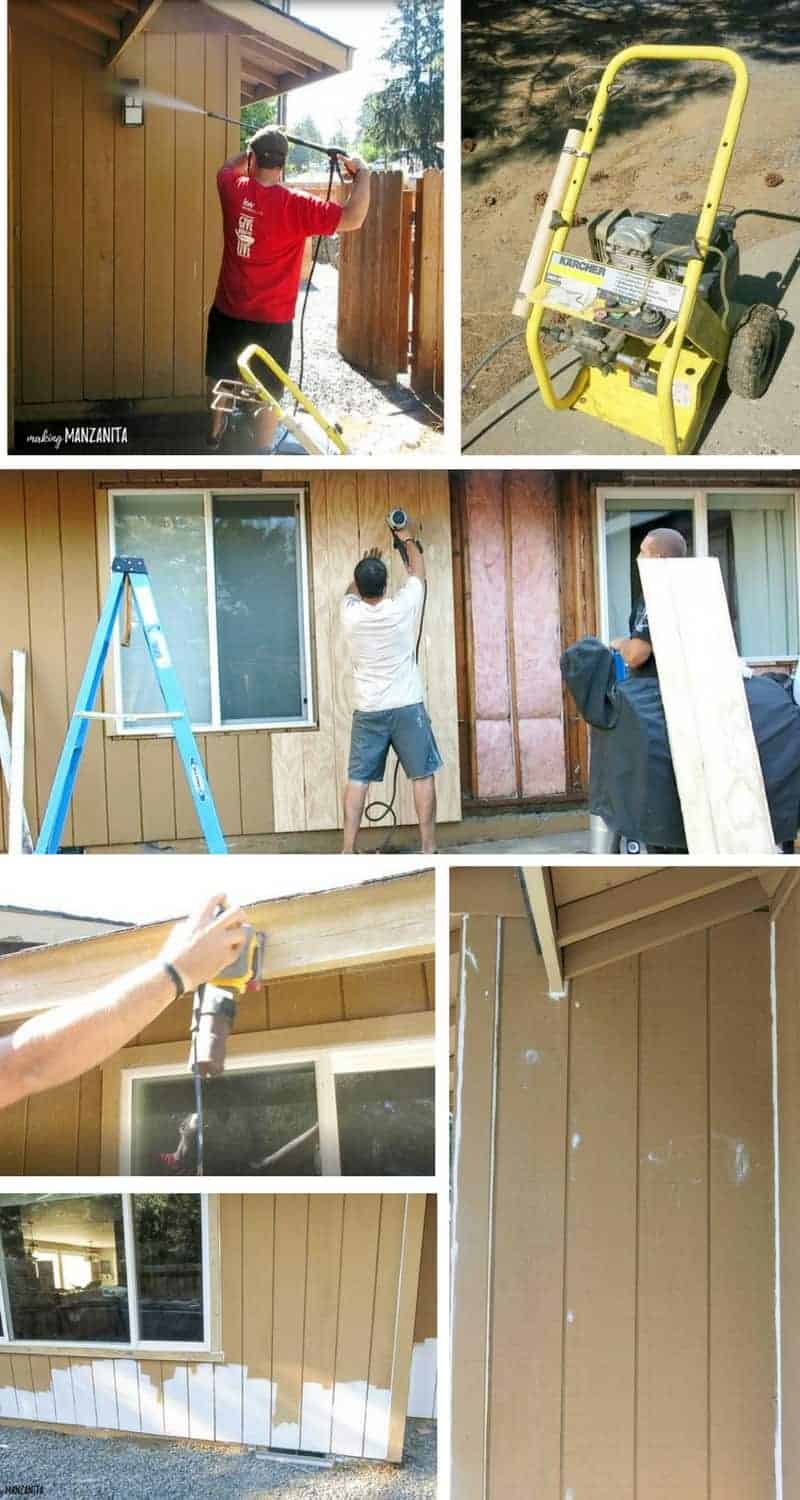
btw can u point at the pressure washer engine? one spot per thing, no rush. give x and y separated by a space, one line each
213 1018
626 247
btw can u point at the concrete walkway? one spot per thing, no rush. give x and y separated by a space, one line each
520 423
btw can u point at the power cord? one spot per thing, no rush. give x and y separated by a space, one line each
333 166
198 1092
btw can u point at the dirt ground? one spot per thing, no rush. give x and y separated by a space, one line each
521 94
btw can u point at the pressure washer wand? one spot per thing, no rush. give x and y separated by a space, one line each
296 140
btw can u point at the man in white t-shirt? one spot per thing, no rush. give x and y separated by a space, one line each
381 634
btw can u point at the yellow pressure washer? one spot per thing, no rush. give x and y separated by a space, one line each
250 394
651 313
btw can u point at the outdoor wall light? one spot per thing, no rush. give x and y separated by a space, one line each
132 102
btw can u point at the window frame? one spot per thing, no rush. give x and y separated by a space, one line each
695 499
329 1062
135 1344
299 492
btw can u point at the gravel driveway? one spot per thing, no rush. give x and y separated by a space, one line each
69 1467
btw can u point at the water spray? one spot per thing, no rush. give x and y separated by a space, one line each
128 86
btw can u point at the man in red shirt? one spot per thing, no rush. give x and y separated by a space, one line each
266 226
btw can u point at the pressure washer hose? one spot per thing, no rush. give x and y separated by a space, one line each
315 257
388 807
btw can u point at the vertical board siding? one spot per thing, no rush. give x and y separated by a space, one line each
787 967
119 228
613 1242
318 1297
54 574
60 1130
427 360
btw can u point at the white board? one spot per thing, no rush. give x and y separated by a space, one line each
711 739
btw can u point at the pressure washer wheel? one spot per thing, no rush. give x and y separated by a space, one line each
753 352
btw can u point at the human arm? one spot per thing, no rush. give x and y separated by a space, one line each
355 210
60 1044
237 163
412 555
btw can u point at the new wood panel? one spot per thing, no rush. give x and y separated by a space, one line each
614 1221
59 1131
318 1298
54 571
370 282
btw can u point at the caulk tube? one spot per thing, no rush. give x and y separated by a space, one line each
534 269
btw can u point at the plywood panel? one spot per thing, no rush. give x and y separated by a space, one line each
524 1450
228 1403
742 1266
472 1201
258 1235
356 1303
159 262
325 1226
381 1359
672 1324
291 1253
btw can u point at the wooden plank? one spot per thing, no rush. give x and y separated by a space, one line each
325 1226
664 927
397 989
8 1394
98 239
216 99
539 894
291 1269
407 1292
189 153
578 609
126 1381
600 1289
19 833
14 619
201 1401
175 1399
306 1002
42 1388
343 546
525 1347
23 1382
404 292
84 16
742 1261
228 1395
427 363
132 28
37 192
68 224
438 642
713 749
355 1307
83 1392
473 1176
123 791
159 229
258 1230
63 1394
155 779
672 1323
349 928
651 894
151 1397
319 749
79 574
45 609
573 882
90 1105
386 1328
787 956
129 244
256 782
52 1131
222 769
105 1393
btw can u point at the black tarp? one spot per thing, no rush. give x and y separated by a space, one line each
631 781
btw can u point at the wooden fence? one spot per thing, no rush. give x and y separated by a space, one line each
427 342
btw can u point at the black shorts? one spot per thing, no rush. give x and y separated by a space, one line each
228 337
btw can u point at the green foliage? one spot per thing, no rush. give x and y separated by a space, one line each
253 116
406 117
300 158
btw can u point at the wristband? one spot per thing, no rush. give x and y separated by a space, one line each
180 987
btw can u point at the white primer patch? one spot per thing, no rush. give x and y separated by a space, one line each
741 1162
227 1403
105 1393
285 1435
576 1140
258 1404
149 1404
201 1401
422 1386
376 1430
349 1411
176 1403
126 1376
61 1381
532 1056
83 1391
316 1415
570 1317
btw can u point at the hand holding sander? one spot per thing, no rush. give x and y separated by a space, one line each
215 1004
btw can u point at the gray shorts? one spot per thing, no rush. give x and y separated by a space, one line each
407 730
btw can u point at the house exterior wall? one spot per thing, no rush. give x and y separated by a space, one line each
614 1222
316 1299
60 1131
787 960
117 229
423 1386
54 572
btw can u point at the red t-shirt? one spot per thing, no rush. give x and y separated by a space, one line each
265 232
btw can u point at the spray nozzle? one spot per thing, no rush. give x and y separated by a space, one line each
397 519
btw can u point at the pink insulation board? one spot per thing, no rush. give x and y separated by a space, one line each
487 567
537 607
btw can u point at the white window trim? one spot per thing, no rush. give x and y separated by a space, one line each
329 1062
134 1341
695 500
116 727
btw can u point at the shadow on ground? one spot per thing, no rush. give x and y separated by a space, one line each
527 73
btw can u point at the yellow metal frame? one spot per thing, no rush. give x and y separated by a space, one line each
244 361
672 355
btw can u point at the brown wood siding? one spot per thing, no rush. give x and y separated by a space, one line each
54 572
787 959
59 1131
119 228
317 1297
614 1220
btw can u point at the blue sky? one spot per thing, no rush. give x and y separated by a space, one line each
361 25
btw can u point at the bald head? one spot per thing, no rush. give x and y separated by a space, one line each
663 542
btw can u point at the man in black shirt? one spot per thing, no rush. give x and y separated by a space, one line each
636 648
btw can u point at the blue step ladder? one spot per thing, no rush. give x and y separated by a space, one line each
130 574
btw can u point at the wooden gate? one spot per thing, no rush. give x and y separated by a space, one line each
427 352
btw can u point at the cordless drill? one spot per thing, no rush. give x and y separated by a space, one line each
398 520
214 1008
